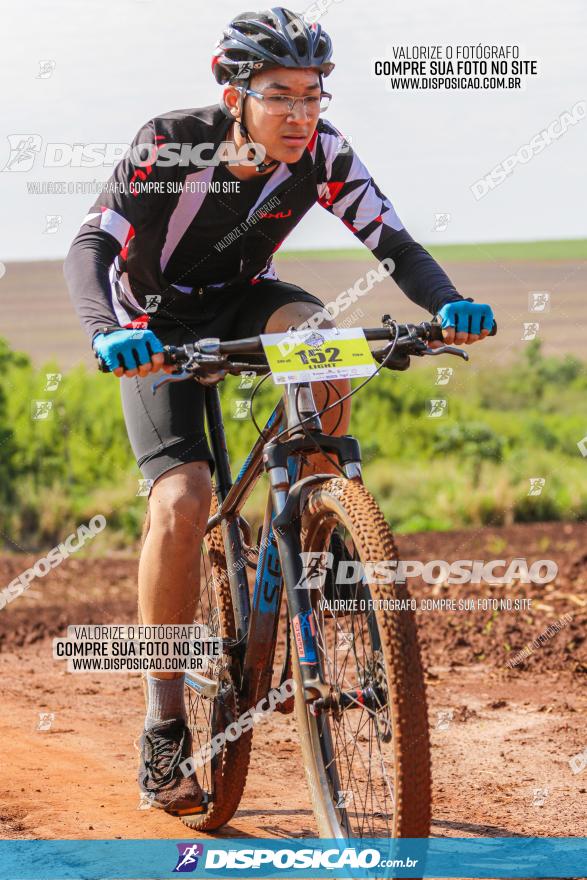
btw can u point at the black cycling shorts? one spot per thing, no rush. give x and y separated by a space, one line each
166 429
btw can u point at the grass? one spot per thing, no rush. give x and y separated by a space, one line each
486 252
472 468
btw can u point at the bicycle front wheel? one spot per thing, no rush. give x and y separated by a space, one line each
366 748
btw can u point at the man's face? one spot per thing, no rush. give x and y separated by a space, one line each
284 137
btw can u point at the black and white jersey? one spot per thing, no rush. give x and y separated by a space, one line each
163 230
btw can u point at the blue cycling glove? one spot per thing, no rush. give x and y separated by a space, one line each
466 317
135 347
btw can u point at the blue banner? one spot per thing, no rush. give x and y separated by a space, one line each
252 857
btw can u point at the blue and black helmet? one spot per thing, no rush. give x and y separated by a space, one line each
275 37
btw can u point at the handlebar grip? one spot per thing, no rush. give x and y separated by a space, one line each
104 368
436 332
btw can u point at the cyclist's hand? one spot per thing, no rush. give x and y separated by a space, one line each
140 350
464 322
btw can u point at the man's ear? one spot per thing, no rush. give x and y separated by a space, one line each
231 99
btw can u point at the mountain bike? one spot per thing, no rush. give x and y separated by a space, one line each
354 662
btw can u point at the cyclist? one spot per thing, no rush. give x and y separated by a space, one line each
175 251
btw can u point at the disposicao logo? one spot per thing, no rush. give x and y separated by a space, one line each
187 860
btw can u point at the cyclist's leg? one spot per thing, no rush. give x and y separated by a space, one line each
166 432
169 569
167 436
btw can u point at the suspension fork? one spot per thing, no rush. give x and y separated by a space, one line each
288 498
266 602
267 593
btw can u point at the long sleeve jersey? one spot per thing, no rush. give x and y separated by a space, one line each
167 223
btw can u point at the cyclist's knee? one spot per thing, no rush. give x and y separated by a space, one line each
301 314
180 516
180 499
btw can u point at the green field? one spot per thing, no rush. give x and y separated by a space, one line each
531 251
515 412
505 426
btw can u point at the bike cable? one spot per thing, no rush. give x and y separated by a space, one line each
353 390
302 422
318 446
260 430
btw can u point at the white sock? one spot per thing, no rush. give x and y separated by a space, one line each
166 700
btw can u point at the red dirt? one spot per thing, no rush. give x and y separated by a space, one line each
508 732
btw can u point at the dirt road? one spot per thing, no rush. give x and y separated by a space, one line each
502 738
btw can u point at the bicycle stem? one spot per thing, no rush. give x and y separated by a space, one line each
300 405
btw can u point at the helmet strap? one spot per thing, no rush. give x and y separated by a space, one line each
262 166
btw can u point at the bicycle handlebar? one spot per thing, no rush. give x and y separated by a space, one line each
213 352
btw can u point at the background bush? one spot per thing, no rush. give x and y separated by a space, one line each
471 467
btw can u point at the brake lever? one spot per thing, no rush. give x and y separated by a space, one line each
171 377
446 349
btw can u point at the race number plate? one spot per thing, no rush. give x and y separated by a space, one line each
316 355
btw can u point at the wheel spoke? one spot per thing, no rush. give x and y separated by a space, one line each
357 755
200 709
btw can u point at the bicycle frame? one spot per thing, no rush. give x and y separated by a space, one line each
280 561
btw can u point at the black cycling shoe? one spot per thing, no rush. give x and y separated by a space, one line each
163 748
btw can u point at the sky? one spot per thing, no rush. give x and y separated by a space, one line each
117 63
